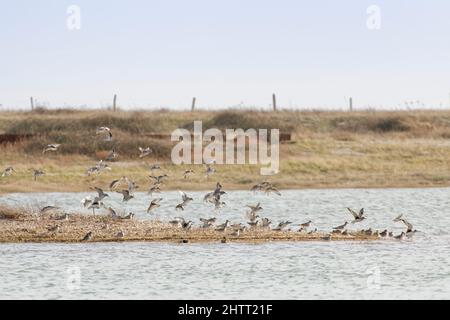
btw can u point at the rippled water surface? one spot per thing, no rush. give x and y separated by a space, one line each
410 269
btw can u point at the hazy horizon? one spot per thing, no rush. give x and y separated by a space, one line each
160 54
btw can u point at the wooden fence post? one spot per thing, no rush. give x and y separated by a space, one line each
193 103
32 103
114 103
274 102
350 104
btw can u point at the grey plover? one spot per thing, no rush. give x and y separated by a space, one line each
255 208
272 189
92 170
306 224
237 226
120 234
188 173
112 213
154 204
177 222
131 185
282 225
99 167
207 222
187 225
265 223
401 236
101 194
410 233
235 233
253 224
8 172
155 167
409 226
85 202
144 152
129 216
256 187
88 236
185 200
214 196
54 229
64 217
95 204
358 217
223 226
252 216
116 183
262 186
51 147
48 209
159 179
126 195
154 189
341 227
106 131
326 237
218 204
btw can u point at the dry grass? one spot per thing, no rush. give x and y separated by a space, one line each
329 149
32 227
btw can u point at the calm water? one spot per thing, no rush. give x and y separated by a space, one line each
417 268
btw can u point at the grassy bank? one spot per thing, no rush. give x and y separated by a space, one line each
327 150
28 225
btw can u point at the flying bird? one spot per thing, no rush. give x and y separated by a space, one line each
145 152
126 195
358 217
154 189
101 194
159 179
8 171
51 147
188 173
103 130
341 227
154 204
185 200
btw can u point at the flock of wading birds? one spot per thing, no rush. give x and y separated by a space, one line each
126 187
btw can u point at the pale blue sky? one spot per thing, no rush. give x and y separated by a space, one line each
313 54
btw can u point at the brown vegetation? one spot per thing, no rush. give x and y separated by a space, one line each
328 149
